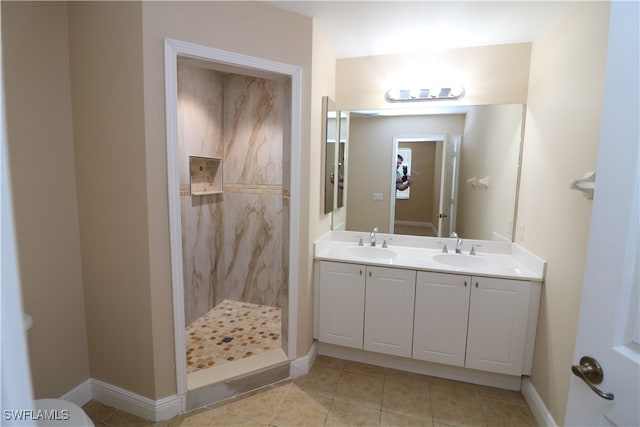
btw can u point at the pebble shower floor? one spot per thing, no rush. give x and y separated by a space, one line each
232 330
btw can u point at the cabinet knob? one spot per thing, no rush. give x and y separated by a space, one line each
476 284
465 283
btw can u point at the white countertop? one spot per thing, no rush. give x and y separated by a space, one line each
497 259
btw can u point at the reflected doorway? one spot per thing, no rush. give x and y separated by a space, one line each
428 206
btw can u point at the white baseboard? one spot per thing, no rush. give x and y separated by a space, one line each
135 404
302 365
538 408
119 398
80 395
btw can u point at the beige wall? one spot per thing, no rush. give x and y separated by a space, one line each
561 138
490 74
108 117
41 157
324 77
323 84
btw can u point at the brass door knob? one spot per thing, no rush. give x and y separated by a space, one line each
590 371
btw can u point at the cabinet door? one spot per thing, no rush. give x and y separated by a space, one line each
498 316
442 309
388 325
341 316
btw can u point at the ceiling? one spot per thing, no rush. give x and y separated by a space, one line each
365 28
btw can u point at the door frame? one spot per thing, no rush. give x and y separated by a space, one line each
396 140
172 50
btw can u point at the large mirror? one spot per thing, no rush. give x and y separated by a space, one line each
464 171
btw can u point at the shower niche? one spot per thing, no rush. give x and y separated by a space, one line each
205 175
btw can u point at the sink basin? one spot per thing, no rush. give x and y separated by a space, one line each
370 252
462 260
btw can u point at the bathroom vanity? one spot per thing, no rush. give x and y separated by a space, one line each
411 306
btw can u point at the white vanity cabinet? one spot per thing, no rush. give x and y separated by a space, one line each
498 324
481 323
441 314
388 315
341 314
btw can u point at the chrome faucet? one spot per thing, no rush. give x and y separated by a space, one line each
458 242
373 236
459 245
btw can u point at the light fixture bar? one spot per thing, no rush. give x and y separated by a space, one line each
424 94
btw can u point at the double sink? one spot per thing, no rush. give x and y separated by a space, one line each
493 258
454 259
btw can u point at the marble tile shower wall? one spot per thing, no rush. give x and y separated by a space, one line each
235 244
200 133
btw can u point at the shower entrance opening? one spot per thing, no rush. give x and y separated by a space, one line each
232 123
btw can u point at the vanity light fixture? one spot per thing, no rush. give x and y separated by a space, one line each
424 94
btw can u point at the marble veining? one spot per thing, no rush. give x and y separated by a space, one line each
202 253
254 117
253 243
200 116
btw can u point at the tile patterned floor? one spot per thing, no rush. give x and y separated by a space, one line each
231 331
343 393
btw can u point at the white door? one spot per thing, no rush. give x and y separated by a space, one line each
388 325
448 185
608 328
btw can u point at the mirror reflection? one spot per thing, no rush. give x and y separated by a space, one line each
343 131
464 169
329 130
335 132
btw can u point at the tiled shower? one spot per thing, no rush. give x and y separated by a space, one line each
235 240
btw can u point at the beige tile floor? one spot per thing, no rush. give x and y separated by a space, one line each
343 393
232 330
